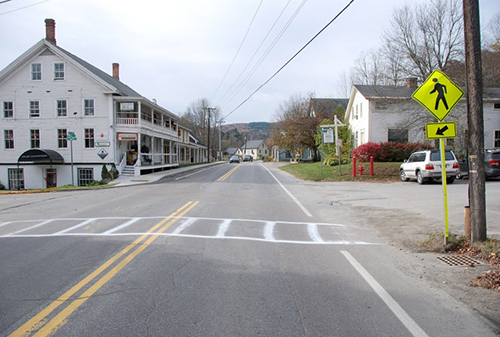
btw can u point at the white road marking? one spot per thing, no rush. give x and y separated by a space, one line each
86 222
407 321
223 227
269 231
290 194
184 225
32 227
312 229
126 224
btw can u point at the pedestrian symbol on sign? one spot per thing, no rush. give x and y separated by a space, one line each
441 89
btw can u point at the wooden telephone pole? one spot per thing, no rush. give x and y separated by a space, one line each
475 120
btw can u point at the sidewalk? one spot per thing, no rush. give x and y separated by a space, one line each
152 177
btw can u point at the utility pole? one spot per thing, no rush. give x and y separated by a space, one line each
208 135
219 156
475 120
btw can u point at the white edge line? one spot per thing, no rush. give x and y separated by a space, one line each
407 321
288 192
188 175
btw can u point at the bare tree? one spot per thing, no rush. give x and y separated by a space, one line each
196 119
426 37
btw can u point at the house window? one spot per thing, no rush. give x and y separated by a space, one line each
8 136
36 71
8 109
34 108
89 138
16 179
58 71
85 176
35 138
362 136
360 110
62 142
397 135
88 107
62 108
497 138
356 112
496 106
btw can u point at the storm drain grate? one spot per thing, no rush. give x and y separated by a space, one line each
459 260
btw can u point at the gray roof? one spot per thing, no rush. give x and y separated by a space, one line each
122 88
320 104
253 144
385 91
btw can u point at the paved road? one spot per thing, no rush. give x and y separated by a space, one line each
231 250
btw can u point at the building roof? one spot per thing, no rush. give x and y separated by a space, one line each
122 88
384 91
253 144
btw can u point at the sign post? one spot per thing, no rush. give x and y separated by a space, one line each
71 137
439 95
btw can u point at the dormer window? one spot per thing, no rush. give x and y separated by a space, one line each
36 71
58 71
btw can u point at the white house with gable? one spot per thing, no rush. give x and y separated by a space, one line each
63 119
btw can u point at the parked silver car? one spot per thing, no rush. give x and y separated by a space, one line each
426 165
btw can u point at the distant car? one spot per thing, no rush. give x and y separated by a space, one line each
247 157
425 166
234 159
492 163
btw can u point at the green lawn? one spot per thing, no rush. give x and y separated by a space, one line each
383 172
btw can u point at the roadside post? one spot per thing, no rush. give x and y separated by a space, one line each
439 95
329 138
71 136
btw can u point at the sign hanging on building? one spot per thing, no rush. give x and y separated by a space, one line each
127 137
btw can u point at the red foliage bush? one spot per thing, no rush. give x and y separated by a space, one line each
388 151
365 151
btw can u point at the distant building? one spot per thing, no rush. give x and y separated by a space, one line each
256 148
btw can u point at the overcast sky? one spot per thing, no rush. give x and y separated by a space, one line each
180 51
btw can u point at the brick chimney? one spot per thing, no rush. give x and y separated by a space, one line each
411 82
116 71
50 30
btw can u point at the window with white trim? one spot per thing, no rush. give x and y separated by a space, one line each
36 71
89 138
34 108
62 142
58 71
397 135
85 176
497 138
88 107
35 138
62 108
8 109
8 136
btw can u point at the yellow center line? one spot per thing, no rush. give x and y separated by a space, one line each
35 321
229 173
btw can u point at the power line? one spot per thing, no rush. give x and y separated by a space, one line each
255 53
239 48
290 60
18 9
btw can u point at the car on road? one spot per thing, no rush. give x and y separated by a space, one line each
247 157
425 166
234 159
492 163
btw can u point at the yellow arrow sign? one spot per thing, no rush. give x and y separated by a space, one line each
438 94
441 130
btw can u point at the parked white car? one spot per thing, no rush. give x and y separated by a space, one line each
426 165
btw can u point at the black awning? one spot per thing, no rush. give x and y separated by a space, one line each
38 156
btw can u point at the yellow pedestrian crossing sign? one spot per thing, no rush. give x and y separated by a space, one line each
441 130
438 94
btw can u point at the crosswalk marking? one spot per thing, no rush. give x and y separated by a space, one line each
192 227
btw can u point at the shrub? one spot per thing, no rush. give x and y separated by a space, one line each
365 151
388 151
2 186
